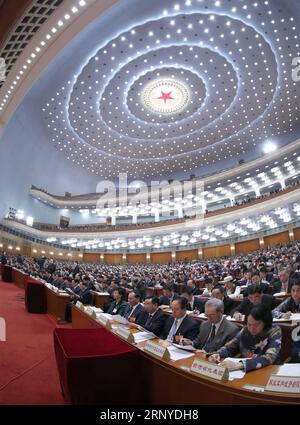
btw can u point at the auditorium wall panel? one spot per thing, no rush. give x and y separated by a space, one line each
26 251
161 257
247 246
91 258
216 251
297 234
113 258
191 254
272 240
136 258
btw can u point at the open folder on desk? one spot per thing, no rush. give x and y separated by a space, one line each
189 348
120 319
177 354
143 336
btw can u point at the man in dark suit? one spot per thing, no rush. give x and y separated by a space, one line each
283 283
216 331
134 309
85 297
168 295
229 303
51 267
194 303
190 283
152 319
255 297
76 269
180 325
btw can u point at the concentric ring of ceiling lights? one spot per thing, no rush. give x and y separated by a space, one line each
228 76
165 97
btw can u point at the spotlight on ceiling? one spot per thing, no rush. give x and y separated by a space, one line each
269 147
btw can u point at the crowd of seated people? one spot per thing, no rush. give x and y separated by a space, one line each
242 287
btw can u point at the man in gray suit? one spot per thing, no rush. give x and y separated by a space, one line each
216 331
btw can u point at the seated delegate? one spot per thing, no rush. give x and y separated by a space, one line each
290 305
119 304
215 331
258 343
180 325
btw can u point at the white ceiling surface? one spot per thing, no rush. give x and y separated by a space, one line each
234 59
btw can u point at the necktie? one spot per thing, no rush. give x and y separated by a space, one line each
189 307
211 337
129 313
172 331
148 321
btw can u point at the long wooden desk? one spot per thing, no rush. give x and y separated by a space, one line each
56 303
19 278
286 326
170 382
100 299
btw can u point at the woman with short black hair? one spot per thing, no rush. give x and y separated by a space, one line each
119 304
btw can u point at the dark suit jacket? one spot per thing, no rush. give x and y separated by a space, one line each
189 328
85 297
276 286
226 332
229 305
156 324
138 311
51 268
246 305
165 301
120 308
198 305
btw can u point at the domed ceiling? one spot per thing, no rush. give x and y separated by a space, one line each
180 86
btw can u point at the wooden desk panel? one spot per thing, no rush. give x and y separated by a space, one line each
19 278
169 382
56 305
100 299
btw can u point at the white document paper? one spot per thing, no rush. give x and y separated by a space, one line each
289 369
107 316
295 316
254 388
143 336
119 319
189 348
236 374
279 294
97 310
177 354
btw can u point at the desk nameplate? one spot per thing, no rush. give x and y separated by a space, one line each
157 350
80 305
284 384
104 321
210 370
125 334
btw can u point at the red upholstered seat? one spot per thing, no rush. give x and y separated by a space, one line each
35 297
96 367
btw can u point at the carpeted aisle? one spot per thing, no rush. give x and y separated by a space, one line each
28 373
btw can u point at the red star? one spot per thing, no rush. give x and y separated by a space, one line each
165 96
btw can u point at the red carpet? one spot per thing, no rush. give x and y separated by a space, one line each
28 372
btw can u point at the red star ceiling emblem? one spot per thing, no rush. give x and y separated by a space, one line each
165 96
